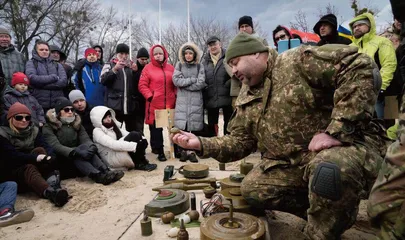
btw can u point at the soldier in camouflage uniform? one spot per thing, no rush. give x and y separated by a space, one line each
309 112
386 205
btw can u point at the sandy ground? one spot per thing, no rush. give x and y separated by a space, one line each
111 212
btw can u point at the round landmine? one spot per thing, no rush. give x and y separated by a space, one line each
235 196
209 192
240 226
168 200
233 181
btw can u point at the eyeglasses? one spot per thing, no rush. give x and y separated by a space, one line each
68 109
20 118
282 37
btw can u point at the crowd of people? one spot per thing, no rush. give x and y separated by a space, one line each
311 113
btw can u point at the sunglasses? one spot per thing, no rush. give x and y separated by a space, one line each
68 109
20 118
282 37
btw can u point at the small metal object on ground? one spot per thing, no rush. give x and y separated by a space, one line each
222 166
209 192
245 167
234 195
230 226
233 181
168 200
146 225
193 201
196 170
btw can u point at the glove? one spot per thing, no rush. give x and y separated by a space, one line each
381 95
82 151
92 150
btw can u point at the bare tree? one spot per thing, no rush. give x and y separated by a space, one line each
27 19
329 9
360 10
300 22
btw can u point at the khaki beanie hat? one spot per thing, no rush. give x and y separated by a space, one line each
244 44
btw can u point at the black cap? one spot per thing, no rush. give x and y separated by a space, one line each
142 52
61 103
122 48
245 20
212 39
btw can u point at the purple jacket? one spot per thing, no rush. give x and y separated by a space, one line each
12 96
47 79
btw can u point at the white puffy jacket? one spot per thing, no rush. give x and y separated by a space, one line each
112 151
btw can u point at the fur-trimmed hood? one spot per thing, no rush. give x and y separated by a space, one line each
194 47
56 123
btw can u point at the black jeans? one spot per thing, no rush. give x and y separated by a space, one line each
95 165
213 115
129 120
156 137
139 155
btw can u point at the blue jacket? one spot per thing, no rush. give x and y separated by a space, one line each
89 83
47 79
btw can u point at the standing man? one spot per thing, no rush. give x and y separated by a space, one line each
320 152
217 93
379 48
11 61
59 56
326 28
120 93
142 59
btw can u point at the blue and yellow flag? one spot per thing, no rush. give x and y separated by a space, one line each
344 32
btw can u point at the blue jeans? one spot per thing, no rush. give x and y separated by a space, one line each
379 108
8 195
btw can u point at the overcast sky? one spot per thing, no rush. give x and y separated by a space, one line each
269 13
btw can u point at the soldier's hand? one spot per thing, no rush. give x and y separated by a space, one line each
186 140
323 141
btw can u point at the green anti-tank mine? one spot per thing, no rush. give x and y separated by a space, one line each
168 200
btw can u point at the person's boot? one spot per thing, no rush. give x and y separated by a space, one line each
161 156
144 165
117 174
103 178
59 196
9 216
183 156
192 157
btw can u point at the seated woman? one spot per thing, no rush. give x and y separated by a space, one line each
116 146
27 159
75 151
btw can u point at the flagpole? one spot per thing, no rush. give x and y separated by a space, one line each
160 27
130 30
188 20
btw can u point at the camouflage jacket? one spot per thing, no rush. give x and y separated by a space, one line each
388 193
306 90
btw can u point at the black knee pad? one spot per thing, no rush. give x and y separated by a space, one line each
326 182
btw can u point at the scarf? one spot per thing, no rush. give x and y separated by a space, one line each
216 58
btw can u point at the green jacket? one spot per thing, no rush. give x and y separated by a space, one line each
306 90
63 137
370 43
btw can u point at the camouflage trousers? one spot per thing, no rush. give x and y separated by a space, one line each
392 225
287 188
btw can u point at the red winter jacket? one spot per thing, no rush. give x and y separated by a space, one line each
156 81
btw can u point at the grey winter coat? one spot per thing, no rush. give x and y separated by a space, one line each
47 79
189 82
12 96
217 93
12 61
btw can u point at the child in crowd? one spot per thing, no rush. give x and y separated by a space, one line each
19 93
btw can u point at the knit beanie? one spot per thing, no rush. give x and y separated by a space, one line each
75 95
244 44
158 50
122 48
17 108
19 77
88 51
142 52
4 31
61 103
362 21
245 20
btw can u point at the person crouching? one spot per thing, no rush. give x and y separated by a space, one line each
118 147
73 147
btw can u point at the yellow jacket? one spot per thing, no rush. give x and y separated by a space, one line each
370 43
